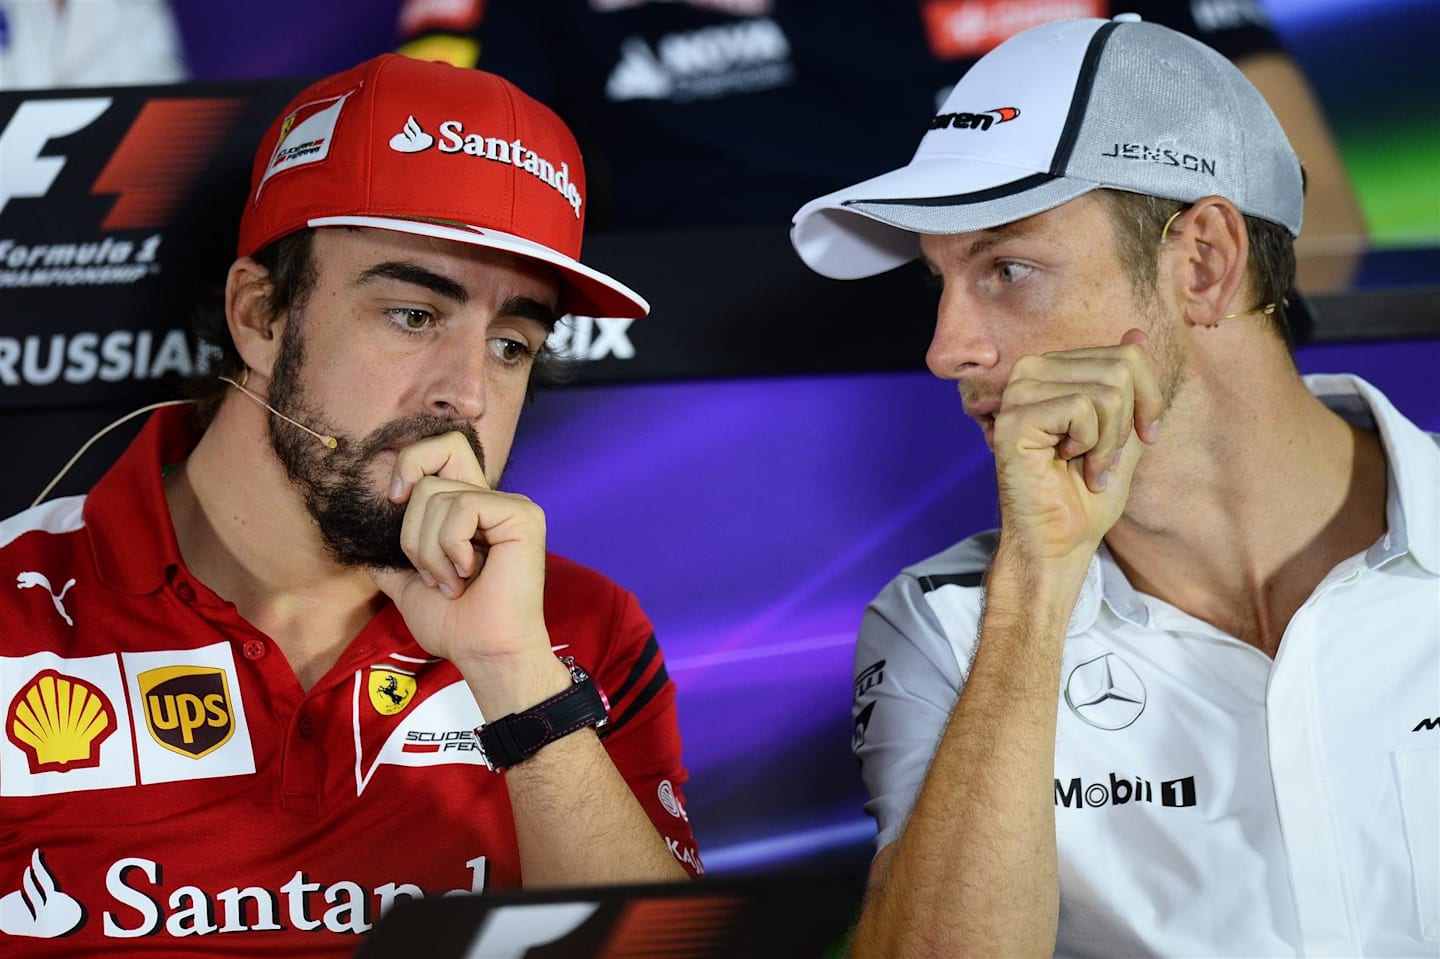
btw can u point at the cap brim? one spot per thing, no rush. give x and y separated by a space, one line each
586 292
876 225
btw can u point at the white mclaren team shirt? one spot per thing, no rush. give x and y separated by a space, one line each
1208 800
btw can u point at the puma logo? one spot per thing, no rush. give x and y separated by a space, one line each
28 580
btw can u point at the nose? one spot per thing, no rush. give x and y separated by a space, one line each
962 345
458 383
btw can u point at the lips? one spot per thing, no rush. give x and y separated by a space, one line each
984 415
982 412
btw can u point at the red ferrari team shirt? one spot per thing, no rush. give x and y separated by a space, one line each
166 786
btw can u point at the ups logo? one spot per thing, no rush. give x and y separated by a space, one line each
188 708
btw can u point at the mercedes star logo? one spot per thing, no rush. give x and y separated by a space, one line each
1105 692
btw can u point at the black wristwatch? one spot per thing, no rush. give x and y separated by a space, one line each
514 738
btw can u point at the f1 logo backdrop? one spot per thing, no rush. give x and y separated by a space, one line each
117 211
23 171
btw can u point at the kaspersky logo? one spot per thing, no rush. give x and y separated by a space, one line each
413 138
974 121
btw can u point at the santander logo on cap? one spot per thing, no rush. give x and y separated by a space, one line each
453 139
412 139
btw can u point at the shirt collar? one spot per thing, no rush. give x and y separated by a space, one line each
1412 515
1412 510
126 513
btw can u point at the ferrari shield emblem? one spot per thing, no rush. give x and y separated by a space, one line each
390 689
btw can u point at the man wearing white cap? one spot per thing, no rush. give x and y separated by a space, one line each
1184 700
298 660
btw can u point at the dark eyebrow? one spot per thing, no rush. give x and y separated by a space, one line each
525 308
416 276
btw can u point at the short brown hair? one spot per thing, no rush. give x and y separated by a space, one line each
1139 222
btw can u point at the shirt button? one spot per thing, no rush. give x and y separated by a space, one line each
253 649
185 591
306 727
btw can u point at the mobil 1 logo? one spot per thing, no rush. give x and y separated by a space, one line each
1076 793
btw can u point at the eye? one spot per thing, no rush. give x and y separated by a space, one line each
411 319
510 352
1013 272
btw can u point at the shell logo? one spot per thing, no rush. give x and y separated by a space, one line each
59 722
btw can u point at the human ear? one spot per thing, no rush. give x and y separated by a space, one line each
250 316
1213 249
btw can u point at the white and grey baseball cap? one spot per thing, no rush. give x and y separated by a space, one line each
1050 114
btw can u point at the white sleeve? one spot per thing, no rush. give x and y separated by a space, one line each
913 652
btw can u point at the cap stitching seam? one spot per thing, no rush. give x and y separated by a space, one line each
1080 100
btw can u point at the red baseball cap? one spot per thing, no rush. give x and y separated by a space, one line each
433 150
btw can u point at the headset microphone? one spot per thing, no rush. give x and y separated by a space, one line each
329 441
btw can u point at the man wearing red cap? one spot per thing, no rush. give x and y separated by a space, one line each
266 680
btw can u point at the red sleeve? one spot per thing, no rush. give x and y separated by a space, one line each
608 634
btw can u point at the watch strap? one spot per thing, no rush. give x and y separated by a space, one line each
514 738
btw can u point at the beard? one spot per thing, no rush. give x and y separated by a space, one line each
1172 364
358 524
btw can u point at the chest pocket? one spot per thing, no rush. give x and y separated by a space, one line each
1418 773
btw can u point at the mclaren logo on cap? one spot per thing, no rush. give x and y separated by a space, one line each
1105 692
974 121
453 139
